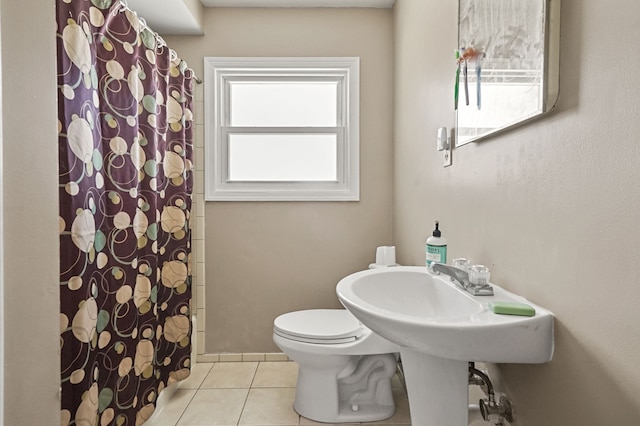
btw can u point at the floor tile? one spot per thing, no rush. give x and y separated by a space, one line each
230 375
270 406
214 407
249 393
198 372
168 414
276 375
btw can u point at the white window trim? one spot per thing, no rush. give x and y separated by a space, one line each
218 70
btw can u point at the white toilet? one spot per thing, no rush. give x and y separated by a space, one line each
345 369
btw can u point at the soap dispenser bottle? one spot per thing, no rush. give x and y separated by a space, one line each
436 248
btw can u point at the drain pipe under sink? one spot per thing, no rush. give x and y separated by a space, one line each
490 410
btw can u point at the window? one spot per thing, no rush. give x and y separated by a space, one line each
282 129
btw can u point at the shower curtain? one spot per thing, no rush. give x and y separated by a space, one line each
125 163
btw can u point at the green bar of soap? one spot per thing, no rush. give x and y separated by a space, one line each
512 308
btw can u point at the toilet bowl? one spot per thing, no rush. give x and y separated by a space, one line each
344 369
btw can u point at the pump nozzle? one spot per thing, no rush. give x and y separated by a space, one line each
436 232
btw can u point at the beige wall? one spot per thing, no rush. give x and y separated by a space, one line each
553 208
30 210
264 259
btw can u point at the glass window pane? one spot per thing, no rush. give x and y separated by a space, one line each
283 104
285 157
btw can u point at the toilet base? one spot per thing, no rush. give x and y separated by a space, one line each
338 382
366 413
347 389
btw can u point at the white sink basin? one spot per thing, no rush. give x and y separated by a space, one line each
440 328
415 309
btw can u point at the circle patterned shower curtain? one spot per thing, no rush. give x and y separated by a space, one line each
125 178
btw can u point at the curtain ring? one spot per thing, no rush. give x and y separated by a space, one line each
160 43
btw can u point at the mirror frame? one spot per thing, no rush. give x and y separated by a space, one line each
550 71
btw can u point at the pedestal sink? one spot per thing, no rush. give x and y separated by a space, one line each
440 328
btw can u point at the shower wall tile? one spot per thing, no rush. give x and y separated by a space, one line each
200 347
199 251
200 135
199 207
199 109
200 270
201 316
199 97
199 181
198 155
198 234
200 297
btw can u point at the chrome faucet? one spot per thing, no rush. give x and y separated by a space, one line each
461 278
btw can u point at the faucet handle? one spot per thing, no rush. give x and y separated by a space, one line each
462 263
479 275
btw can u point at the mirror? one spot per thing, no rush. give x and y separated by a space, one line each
507 64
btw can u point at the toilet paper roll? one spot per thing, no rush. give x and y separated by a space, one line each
386 255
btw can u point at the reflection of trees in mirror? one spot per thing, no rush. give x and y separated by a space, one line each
511 31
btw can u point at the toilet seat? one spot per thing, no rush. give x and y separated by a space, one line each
319 326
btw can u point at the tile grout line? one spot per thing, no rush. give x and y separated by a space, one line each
252 385
255 373
194 394
245 404
186 406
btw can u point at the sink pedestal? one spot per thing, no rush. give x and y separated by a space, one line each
438 389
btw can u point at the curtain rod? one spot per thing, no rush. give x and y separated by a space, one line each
124 6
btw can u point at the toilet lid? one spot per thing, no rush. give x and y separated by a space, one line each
323 326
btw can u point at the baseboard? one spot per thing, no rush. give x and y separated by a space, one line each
242 357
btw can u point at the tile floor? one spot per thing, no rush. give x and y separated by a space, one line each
247 393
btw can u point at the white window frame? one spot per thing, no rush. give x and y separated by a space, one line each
220 71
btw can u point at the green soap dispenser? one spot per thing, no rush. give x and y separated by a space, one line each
436 247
